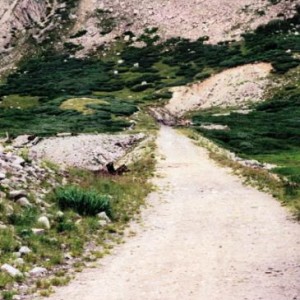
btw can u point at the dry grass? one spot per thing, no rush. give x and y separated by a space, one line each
81 104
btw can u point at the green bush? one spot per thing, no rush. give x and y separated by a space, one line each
8 242
84 202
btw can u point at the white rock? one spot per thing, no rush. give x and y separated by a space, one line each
102 222
24 250
24 202
10 270
127 38
37 271
21 141
44 222
136 65
38 231
60 214
18 162
2 226
103 216
64 134
2 176
144 83
16 194
19 261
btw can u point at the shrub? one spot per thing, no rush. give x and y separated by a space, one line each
8 242
80 33
84 202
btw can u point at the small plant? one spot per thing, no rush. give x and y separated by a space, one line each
84 202
8 295
7 241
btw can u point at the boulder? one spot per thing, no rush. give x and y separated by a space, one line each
24 202
38 231
24 250
19 261
103 216
10 270
102 223
38 271
44 222
17 194
22 140
18 162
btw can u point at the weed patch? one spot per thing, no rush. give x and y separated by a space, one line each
84 202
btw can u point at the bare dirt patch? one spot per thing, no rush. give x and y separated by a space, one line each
236 87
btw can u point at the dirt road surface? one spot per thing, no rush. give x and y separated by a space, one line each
205 237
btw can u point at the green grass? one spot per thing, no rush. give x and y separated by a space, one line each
19 102
78 224
84 202
270 134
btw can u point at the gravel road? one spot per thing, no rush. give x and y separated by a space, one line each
205 236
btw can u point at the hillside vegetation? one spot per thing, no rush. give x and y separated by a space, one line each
56 89
131 77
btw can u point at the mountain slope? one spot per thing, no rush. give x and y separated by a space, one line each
33 23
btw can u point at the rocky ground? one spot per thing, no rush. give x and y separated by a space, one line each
91 152
22 180
102 21
220 20
27 180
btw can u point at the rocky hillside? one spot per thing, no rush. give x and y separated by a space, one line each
89 24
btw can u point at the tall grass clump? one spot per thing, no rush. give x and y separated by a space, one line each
84 202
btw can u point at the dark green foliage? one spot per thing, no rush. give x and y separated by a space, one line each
107 25
54 77
72 48
24 218
80 33
84 202
116 107
274 1
271 132
7 241
48 119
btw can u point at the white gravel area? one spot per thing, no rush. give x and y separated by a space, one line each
86 151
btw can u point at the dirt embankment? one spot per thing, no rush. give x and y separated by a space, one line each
236 87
